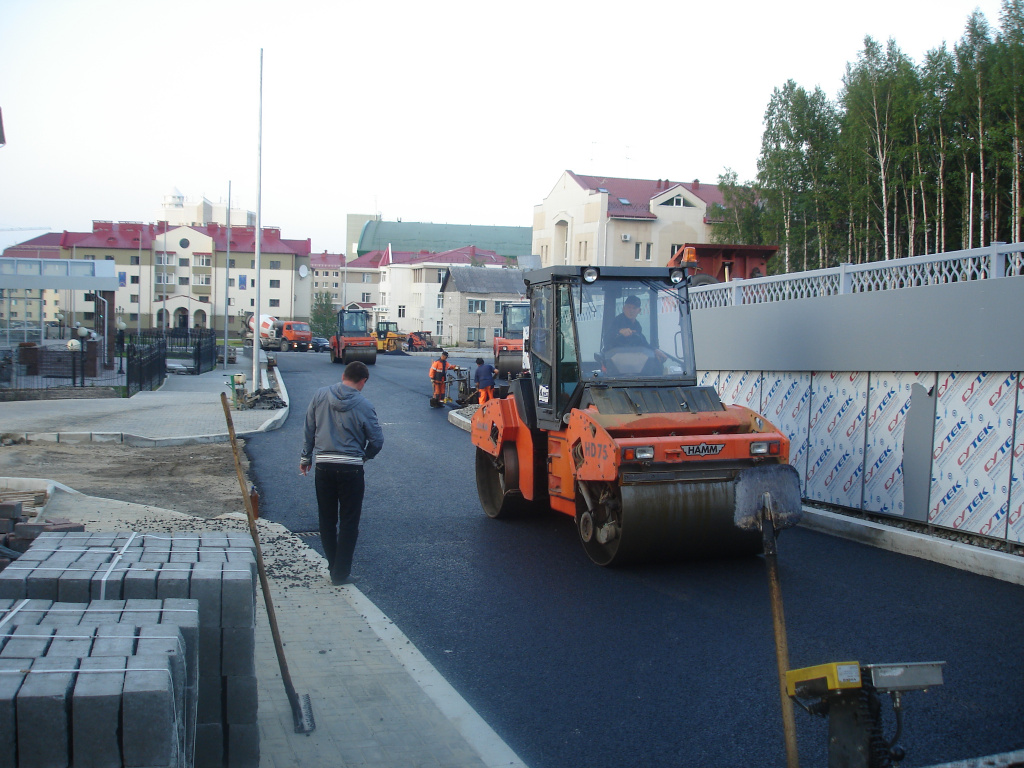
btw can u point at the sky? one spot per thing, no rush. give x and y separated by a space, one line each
451 112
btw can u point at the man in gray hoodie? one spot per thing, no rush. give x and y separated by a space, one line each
341 433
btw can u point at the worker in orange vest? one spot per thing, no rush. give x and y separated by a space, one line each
438 374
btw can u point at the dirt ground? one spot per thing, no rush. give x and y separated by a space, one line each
194 479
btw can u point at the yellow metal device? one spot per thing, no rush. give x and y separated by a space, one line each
823 679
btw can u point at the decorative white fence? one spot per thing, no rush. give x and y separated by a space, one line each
994 261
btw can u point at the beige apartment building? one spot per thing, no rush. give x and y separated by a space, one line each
605 221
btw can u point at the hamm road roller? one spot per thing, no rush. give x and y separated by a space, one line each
610 426
353 339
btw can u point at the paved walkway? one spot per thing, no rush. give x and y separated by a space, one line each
376 700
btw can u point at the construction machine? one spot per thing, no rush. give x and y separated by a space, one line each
389 338
422 341
353 339
508 347
611 428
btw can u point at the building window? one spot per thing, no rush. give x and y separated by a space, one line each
201 280
440 275
336 274
384 299
85 315
108 257
204 299
275 265
231 263
182 281
252 264
231 302
231 282
335 285
401 310
647 257
675 247
440 301
367 277
252 302
135 261
134 279
365 298
134 298
275 302
203 260
440 327
275 283
477 305
163 258
182 262
497 332
636 251
498 306
133 316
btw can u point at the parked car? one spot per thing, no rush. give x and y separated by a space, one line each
320 344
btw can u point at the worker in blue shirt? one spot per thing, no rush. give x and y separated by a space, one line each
483 379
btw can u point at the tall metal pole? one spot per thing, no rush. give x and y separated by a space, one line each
259 236
163 322
138 316
227 273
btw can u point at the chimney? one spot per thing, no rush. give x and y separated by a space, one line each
696 184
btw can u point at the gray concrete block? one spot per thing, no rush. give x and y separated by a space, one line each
210 704
243 746
103 612
28 611
213 539
238 651
241 700
204 587
114 640
95 713
62 614
10 510
149 735
43 582
142 612
155 557
44 728
172 582
107 582
184 615
238 605
71 641
209 652
209 745
10 684
209 555
14 580
140 582
27 642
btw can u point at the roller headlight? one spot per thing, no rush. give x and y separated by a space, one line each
676 276
590 274
765 448
643 453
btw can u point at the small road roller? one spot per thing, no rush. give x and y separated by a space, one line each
611 428
508 347
354 339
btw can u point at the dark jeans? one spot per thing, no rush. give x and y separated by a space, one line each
339 497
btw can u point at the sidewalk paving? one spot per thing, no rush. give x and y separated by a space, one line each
376 700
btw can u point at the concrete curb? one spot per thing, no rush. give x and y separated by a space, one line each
966 557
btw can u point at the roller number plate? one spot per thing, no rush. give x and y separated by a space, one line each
704 449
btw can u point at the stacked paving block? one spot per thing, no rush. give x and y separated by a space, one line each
18 529
100 694
213 575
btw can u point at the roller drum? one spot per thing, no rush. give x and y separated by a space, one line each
675 521
508 364
366 355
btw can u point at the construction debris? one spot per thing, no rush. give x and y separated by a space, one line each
264 399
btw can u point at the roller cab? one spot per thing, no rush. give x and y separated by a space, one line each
354 339
611 428
508 347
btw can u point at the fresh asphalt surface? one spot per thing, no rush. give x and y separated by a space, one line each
577 665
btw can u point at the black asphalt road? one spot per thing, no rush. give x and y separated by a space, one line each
575 665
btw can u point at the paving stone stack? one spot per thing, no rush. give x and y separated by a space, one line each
109 683
18 529
217 570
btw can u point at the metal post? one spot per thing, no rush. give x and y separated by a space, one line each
259 236
227 273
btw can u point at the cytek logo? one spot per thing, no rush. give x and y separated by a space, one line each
974 444
785 397
842 410
949 438
822 408
704 449
881 406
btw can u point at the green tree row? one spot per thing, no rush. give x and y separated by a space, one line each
909 159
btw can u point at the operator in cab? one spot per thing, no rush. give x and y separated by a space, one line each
626 331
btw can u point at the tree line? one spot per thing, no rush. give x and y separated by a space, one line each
909 159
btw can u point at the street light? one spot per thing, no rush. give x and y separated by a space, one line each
479 319
60 324
121 325
83 334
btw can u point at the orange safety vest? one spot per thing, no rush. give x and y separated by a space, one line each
437 370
